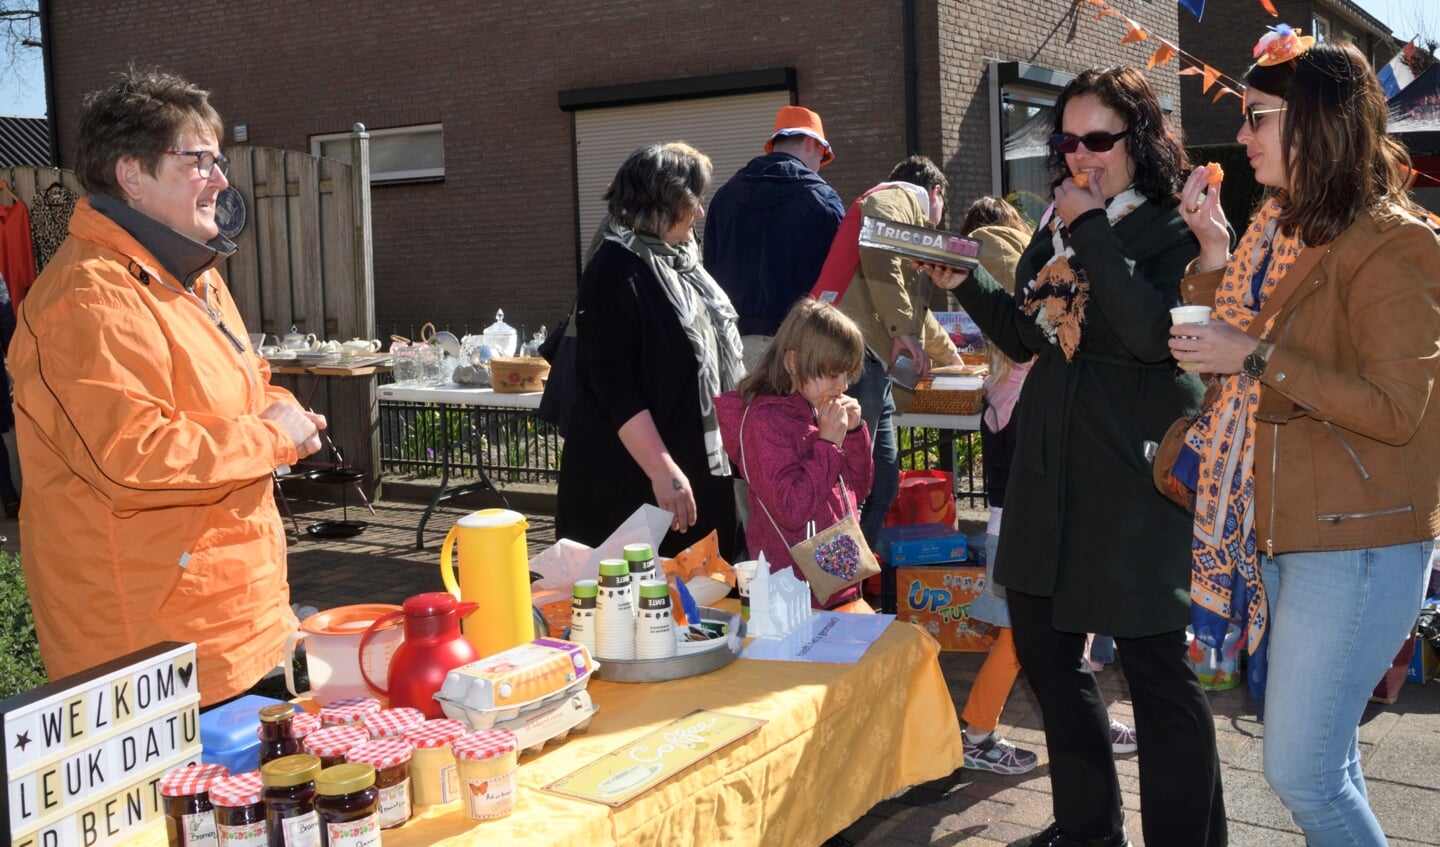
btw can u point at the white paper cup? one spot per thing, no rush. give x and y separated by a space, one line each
1189 315
744 572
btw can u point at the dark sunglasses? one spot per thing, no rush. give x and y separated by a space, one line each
1254 116
1095 142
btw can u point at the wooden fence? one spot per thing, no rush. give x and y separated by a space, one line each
303 259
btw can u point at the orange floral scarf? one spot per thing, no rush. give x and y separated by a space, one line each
1225 579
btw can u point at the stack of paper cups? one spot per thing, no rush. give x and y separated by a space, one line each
641 559
655 628
614 613
582 613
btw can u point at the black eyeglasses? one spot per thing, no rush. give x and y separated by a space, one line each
1095 142
205 161
1254 116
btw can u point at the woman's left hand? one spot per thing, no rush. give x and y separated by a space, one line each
1072 201
944 277
1216 347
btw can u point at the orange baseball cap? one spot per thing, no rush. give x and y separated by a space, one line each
798 120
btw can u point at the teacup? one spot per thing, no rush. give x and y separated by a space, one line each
331 346
360 347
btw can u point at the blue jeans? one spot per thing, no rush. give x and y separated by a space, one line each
877 408
1337 619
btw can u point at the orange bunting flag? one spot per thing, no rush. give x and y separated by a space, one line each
1134 34
1105 12
1270 7
1225 89
1161 56
1099 4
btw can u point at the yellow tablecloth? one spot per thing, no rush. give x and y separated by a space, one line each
838 739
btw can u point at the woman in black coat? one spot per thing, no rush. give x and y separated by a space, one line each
656 342
1088 545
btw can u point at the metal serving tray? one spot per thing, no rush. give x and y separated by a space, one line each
691 663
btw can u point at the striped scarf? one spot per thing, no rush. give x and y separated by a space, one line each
705 315
1225 581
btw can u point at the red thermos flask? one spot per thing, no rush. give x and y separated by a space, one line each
433 646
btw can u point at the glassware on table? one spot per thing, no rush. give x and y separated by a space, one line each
406 365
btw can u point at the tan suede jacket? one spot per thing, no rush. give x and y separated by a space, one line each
1347 452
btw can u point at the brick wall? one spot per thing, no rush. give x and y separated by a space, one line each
499 231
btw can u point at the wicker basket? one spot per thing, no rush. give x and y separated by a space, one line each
978 357
519 375
928 401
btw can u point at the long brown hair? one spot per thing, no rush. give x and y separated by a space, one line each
1160 162
1339 159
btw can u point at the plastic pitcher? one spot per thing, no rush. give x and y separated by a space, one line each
433 646
495 575
332 651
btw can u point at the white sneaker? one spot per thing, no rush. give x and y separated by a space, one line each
1122 738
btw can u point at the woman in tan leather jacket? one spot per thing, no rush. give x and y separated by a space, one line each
1317 469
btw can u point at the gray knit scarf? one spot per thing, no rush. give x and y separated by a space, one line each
705 314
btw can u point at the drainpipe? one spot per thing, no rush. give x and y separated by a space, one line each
47 60
912 107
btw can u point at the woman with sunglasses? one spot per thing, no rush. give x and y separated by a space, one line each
1323 341
1087 544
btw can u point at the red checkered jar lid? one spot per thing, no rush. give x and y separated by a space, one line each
238 791
334 741
485 744
381 753
389 723
435 733
195 779
349 711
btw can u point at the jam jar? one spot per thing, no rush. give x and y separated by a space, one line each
391 760
488 763
333 742
433 780
290 800
347 801
348 712
391 723
277 732
186 795
239 802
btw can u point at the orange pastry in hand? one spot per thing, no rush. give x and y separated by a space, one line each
1082 180
1216 173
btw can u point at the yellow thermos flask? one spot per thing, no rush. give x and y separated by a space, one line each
495 574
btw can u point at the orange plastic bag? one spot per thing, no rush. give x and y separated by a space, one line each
925 497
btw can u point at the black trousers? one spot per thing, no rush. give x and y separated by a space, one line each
1180 792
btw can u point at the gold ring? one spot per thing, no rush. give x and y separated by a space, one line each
1192 209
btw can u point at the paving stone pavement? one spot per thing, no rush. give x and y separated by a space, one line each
1400 743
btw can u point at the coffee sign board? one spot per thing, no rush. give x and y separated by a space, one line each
84 755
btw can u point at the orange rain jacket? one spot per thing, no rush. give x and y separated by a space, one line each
149 511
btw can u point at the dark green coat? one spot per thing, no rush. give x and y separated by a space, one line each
1083 522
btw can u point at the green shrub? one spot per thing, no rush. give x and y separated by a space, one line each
20 667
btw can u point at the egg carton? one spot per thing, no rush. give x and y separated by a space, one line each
478 719
536 729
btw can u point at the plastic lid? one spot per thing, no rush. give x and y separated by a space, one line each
654 588
491 517
638 553
430 604
485 744
345 779
241 789
382 753
350 620
587 588
194 779
614 567
277 713
335 740
389 723
435 733
289 771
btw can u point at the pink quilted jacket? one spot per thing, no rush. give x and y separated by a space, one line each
794 473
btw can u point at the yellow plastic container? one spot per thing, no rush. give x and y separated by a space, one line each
495 574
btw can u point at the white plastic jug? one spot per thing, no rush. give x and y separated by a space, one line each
332 651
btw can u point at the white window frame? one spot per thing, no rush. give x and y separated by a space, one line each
378 137
1321 26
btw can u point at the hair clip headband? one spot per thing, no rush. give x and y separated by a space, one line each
1281 44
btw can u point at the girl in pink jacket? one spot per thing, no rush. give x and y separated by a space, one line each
793 434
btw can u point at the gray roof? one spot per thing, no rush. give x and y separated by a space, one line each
25 141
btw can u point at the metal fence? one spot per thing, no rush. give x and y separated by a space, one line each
508 445
946 449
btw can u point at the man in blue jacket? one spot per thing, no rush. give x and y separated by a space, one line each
769 228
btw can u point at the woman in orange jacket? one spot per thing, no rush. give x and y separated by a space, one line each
147 427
